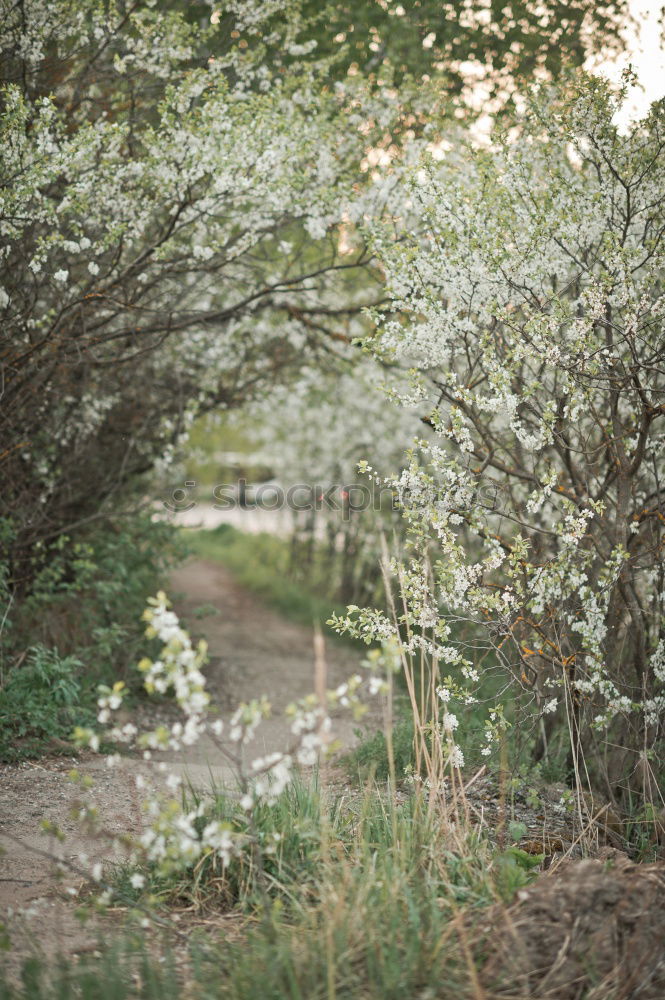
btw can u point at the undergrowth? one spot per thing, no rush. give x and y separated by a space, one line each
364 896
75 629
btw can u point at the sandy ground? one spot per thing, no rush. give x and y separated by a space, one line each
253 651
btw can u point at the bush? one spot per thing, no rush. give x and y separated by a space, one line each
77 628
40 698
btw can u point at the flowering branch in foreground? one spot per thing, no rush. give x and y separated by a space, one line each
177 838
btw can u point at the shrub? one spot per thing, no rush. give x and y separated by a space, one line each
76 628
40 699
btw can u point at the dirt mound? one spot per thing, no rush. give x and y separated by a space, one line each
593 929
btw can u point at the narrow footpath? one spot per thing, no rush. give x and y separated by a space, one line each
253 651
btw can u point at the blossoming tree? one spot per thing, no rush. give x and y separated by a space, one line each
531 312
166 195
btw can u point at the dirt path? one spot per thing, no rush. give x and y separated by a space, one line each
253 651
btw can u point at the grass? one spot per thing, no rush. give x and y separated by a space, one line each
126 969
364 901
367 899
290 834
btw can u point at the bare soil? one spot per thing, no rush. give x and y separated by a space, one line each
39 897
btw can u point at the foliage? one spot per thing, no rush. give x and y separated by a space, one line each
77 629
161 203
91 586
503 45
40 700
318 429
186 217
531 311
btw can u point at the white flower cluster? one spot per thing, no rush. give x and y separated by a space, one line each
520 288
178 670
175 837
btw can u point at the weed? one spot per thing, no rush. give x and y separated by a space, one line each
514 868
